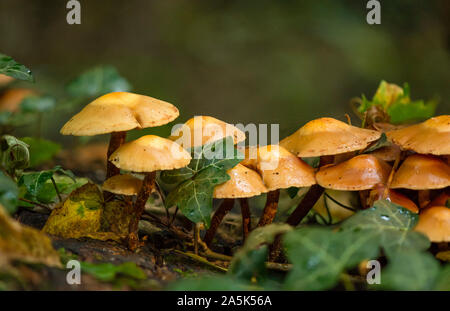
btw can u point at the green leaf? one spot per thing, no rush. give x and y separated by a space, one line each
292 192
250 260
443 281
9 193
400 112
107 272
411 271
312 161
41 150
14 153
390 225
37 104
194 196
9 67
98 81
380 143
195 183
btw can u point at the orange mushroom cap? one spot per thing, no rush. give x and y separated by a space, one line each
11 99
327 136
429 137
243 183
359 173
125 184
434 222
279 168
422 172
201 130
441 199
150 153
120 111
4 80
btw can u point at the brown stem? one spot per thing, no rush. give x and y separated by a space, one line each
246 220
217 218
270 209
116 140
147 186
305 205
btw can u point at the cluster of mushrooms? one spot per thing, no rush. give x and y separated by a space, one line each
413 172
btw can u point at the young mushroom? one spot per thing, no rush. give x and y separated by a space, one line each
434 222
116 113
279 169
125 184
244 183
324 138
147 155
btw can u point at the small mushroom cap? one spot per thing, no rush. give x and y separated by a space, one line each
441 199
377 193
429 137
11 99
279 168
119 111
434 222
201 130
150 153
123 184
244 183
388 153
422 172
327 136
359 173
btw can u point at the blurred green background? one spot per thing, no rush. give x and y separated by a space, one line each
263 61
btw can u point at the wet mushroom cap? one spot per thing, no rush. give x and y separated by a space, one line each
279 168
434 222
150 153
243 183
402 200
328 136
429 137
201 130
119 111
422 172
388 153
11 99
359 173
123 184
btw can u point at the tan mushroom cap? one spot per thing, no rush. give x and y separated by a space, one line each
150 153
244 183
4 79
434 222
123 184
11 99
359 173
429 137
120 111
388 153
327 136
207 130
279 168
422 172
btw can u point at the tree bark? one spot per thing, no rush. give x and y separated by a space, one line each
270 209
224 208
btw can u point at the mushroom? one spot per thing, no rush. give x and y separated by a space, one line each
147 155
324 138
116 113
441 199
11 99
244 183
279 169
379 192
5 80
434 222
429 137
422 173
126 184
201 130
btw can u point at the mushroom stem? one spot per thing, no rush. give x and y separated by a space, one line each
147 186
217 218
116 140
270 209
311 197
246 220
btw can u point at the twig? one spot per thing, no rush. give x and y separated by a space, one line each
200 259
35 203
56 189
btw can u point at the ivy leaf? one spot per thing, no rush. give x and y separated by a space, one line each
292 192
10 67
41 150
401 112
319 256
443 281
98 81
380 143
411 271
9 193
194 196
193 192
250 260
108 272
390 224
37 104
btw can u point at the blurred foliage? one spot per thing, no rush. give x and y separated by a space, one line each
9 67
41 150
8 193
